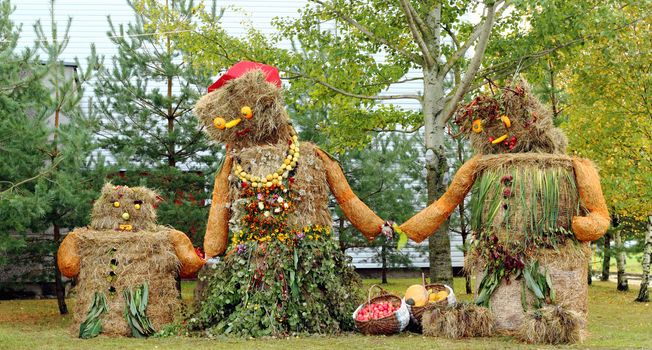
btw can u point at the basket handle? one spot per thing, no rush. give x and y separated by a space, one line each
382 292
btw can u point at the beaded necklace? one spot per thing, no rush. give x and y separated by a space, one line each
277 177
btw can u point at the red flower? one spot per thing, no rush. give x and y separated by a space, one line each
199 252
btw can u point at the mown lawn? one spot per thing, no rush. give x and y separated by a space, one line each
616 321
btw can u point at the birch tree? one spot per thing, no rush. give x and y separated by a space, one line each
643 293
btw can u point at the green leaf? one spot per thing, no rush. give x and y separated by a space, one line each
553 296
402 241
524 296
532 284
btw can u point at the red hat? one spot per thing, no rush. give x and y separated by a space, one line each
243 67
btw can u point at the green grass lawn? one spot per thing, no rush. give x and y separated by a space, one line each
616 321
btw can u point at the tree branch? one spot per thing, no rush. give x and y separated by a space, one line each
452 35
473 67
477 31
406 80
423 27
408 131
367 32
43 173
416 34
354 95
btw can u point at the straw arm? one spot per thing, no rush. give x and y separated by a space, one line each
190 261
427 221
363 218
594 225
217 229
68 255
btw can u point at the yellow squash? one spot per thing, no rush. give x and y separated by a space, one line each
416 295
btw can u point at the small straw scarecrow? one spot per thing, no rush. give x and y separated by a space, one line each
126 265
282 273
533 212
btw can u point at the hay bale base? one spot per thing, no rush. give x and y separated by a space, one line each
568 276
459 321
139 257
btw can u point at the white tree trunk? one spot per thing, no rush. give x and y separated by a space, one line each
436 166
621 260
643 293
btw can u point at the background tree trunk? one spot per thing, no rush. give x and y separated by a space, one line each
643 293
436 165
606 257
463 224
589 276
621 260
58 283
383 257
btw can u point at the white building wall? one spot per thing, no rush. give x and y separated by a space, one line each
90 25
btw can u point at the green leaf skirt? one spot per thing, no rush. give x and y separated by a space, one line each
276 289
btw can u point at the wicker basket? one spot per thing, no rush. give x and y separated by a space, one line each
387 325
416 312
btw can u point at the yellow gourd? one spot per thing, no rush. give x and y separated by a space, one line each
416 295
439 296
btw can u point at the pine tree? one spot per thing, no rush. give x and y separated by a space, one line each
146 100
73 182
22 132
50 179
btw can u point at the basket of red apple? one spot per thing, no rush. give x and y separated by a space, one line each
384 313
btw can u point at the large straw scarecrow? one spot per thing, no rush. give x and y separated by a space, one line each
126 265
533 212
282 273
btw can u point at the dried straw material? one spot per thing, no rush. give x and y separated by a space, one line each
459 321
309 181
552 325
525 197
106 216
144 257
531 123
314 174
217 228
595 224
567 267
363 218
269 124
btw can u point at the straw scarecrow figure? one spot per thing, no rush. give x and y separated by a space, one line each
126 265
533 212
282 272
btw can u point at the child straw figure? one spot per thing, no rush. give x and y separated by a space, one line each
534 210
122 259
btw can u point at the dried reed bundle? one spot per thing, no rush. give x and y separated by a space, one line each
460 321
551 325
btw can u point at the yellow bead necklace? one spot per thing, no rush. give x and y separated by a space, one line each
277 177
